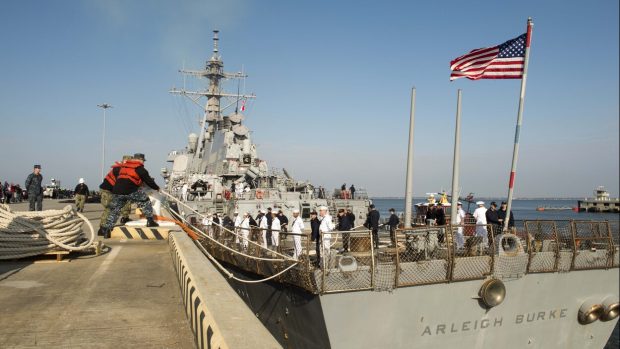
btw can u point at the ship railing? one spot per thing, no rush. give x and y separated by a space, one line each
593 246
421 255
549 245
347 262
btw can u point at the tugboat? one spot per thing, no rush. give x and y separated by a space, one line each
549 285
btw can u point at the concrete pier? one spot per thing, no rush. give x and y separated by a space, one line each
135 295
126 298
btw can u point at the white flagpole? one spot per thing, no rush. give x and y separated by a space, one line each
515 152
456 162
409 179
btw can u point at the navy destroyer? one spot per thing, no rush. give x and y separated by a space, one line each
543 284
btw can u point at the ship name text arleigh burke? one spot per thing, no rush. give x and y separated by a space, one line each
475 325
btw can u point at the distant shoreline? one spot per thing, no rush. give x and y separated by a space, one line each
476 198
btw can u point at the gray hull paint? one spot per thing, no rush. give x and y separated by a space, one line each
540 311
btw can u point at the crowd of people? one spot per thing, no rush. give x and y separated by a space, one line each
487 221
12 193
270 226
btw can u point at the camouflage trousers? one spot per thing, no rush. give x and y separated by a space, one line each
106 199
118 201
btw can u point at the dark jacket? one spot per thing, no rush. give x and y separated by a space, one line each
125 186
283 219
315 223
492 217
351 218
253 222
373 219
393 222
81 189
344 224
105 185
431 213
440 216
34 184
502 215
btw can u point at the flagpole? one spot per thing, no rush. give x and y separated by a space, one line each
515 152
409 179
456 162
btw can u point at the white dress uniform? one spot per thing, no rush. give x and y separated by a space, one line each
275 232
239 191
460 219
245 224
184 189
238 221
480 214
207 222
263 226
326 228
297 227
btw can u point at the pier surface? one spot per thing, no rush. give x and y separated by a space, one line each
127 297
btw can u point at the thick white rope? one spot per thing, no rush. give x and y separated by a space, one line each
26 234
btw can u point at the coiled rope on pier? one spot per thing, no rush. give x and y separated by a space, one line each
26 234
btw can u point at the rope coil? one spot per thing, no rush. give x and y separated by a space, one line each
31 233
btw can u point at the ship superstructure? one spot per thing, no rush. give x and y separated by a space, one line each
545 284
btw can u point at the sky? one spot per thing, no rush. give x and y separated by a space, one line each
333 83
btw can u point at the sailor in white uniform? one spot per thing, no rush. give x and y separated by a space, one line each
275 231
238 220
460 220
263 227
297 227
325 228
184 189
207 222
245 230
480 214
239 191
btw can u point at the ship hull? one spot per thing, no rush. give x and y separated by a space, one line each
540 311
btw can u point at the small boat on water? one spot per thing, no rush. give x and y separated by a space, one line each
555 208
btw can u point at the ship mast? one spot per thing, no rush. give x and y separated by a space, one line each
212 113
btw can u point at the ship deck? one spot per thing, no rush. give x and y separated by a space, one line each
126 298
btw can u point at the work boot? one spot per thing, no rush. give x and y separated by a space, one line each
150 222
124 220
106 233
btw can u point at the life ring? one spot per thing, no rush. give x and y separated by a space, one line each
259 194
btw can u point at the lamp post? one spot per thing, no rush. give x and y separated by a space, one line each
104 106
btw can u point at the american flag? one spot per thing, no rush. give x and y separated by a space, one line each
504 61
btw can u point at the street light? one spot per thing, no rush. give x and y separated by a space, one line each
104 106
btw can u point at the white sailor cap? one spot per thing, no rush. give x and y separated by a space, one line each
263 211
459 203
236 212
323 208
479 203
295 211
